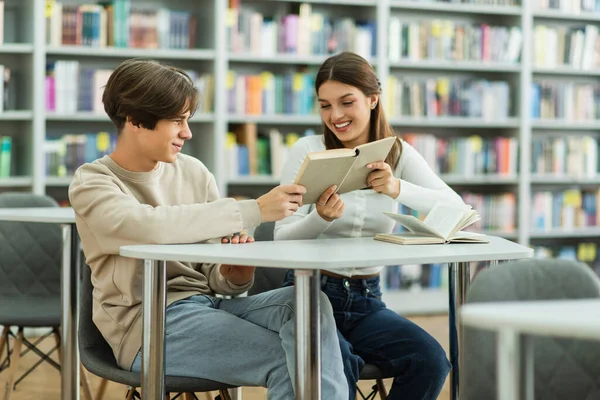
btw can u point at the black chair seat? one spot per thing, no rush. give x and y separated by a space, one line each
370 371
101 362
30 311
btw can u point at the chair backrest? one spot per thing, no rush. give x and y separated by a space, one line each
266 278
565 369
30 253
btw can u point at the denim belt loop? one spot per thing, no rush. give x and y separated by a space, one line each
365 286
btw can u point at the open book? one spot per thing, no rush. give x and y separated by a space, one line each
346 168
443 224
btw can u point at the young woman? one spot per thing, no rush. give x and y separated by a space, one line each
349 97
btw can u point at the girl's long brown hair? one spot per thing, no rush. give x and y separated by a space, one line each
351 69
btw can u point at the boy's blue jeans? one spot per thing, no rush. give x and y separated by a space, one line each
247 341
371 333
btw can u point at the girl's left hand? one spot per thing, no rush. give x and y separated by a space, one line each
382 180
235 239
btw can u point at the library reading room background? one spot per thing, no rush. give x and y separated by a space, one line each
499 96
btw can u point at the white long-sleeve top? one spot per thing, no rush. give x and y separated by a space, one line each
420 189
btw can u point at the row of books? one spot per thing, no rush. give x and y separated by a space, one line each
566 46
568 209
67 95
64 154
586 252
304 33
250 152
467 156
565 100
569 6
443 96
267 93
498 211
117 23
450 40
6 158
572 156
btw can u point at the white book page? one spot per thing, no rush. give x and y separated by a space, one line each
445 219
413 224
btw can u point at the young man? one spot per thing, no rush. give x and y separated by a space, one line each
146 191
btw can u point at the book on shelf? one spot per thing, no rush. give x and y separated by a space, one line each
443 224
5 156
345 168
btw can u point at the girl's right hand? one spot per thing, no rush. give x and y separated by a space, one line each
330 206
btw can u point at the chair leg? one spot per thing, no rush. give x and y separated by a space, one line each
130 393
56 334
14 363
101 389
85 384
381 389
224 394
3 340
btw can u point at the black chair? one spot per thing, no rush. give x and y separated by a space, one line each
98 358
564 369
30 271
272 278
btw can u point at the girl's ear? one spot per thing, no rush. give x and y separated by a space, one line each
373 101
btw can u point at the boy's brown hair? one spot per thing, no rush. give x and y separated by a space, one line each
146 91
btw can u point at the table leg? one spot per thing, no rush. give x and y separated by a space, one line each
153 336
458 285
508 363
527 367
308 335
70 278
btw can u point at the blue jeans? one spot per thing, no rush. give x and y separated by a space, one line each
246 341
371 333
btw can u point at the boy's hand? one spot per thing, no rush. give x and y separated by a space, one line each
280 202
382 179
330 206
237 274
235 239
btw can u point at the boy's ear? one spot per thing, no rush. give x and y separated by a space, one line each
133 125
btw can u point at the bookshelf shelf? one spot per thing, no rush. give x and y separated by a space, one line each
277 58
334 2
557 124
171 54
588 232
93 117
19 115
58 181
254 180
16 182
559 15
479 180
466 66
569 71
456 8
16 48
563 180
453 122
283 119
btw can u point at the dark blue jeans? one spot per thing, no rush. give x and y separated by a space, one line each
371 333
